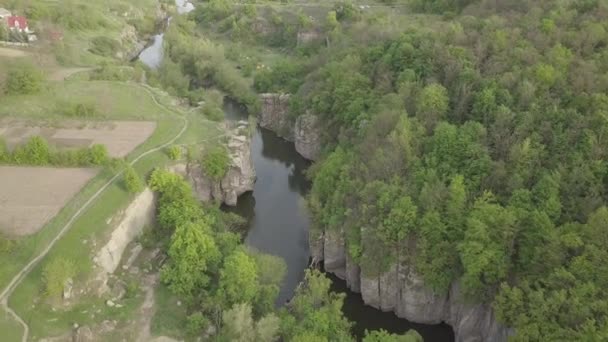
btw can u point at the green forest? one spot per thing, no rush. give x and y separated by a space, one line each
467 138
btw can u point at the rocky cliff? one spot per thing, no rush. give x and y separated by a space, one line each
239 178
402 291
274 116
138 214
306 136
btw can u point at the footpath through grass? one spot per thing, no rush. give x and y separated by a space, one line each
28 299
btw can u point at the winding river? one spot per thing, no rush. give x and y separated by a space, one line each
279 221
152 55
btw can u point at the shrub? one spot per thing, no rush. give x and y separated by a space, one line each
104 46
215 163
174 152
35 152
78 110
133 183
97 155
197 323
55 275
24 79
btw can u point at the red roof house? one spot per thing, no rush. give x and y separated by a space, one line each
18 23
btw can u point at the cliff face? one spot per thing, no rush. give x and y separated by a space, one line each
304 132
274 115
239 178
307 140
132 222
402 291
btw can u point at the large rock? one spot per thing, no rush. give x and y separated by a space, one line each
132 222
401 290
274 115
239 178
306 135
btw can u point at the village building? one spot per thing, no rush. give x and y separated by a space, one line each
18 23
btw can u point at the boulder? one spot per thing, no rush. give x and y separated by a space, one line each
67 289
306 135
83 334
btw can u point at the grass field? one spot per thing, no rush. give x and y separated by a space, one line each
113 101
132 102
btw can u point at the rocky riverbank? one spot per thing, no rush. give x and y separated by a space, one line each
403 292
239 178
302 131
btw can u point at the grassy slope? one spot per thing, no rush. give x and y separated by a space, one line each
112 17
131 102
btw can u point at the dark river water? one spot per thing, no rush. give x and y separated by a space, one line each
279 221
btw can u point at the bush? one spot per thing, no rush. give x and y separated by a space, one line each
174 152
197 323
38 152
56 273
212 109
35 152
104 46
24 79
78 110
133 183
215 163
97 155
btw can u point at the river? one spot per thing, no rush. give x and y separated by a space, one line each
278 219
153 54
279 222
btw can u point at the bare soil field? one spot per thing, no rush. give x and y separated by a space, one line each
31 196
119 137
8 52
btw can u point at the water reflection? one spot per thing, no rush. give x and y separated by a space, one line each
279 221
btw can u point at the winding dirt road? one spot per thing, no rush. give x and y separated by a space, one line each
27 269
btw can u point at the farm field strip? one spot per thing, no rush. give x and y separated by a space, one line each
31 196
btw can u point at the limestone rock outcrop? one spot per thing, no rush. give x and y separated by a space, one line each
239 178
304 132
139 213
306 136
402 291
274 115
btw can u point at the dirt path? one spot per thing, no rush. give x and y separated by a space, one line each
65 73
146 311
12 53
27 269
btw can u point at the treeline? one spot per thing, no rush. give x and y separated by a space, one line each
37 152
471 146
230 290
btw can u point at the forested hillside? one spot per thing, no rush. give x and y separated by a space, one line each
466 138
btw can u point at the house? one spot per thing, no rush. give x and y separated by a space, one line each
18 23
4 13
